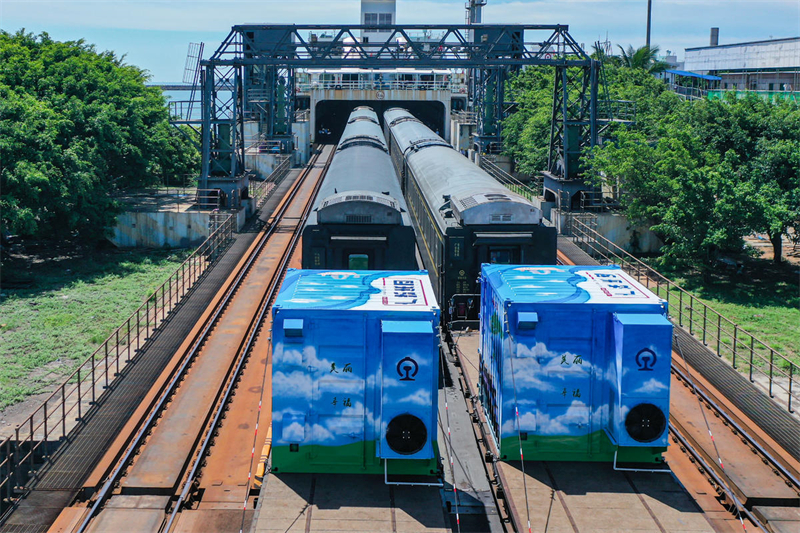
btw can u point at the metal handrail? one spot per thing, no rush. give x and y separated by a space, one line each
261 191
48 422
723 336
512 183
377 85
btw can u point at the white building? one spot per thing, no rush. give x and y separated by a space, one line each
377 13
772 65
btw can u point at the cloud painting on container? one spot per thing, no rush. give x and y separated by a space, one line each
574 363
354 357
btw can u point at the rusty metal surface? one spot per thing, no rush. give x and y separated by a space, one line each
779 519
195 373
172 443
753 482
127 520
586 496
230 463
216 520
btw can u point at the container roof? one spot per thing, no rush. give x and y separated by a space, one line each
357 290
567 284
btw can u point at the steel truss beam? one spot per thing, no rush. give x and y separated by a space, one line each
255 65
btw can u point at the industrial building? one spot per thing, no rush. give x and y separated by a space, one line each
771 65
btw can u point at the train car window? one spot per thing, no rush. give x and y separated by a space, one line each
501 256
358 262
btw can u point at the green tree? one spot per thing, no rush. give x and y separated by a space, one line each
644 58
76 125
776 180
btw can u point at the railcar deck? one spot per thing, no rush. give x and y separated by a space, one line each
574 497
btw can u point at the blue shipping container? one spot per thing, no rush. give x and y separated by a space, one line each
355 371
575 363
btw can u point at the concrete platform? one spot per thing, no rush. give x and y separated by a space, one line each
346 503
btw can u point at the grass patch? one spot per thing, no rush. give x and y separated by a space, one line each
56 309
764 300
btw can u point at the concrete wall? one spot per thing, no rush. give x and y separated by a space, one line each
173 229
461 135
617 229
159 229
262 164
302 142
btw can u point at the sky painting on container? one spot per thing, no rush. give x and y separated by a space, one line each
566 354
353 350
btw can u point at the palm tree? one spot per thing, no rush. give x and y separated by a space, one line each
644 57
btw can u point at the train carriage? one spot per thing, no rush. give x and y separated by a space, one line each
463 217
360 219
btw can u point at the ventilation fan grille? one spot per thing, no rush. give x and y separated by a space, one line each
645 423
406 434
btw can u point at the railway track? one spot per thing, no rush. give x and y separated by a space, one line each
187 460
747 471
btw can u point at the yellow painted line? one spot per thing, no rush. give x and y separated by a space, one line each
262 461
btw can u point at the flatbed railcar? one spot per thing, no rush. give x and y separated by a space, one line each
462 216
360 219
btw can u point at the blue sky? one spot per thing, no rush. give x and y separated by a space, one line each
155 34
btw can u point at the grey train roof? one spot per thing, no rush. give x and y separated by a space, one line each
450 180
361 185
363 113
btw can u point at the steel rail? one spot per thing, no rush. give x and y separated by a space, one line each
709 469
253 330
176 378
508 511
729 420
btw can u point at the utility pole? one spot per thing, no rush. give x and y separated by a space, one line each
649 10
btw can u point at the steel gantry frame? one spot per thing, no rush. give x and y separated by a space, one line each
250 77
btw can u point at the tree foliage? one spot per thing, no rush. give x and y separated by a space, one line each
643 58
706 173
76 124
702 174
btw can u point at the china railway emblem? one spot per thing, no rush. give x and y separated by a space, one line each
407 369
646 360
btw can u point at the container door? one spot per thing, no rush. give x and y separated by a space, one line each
553 366
338 421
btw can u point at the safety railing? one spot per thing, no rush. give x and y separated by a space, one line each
688 93
303 115
38 436
465 117
621 110
529 190
378 85
263 190
746 352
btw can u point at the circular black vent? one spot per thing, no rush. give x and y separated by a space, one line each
645 422
406 434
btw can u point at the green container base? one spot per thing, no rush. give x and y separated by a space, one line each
356 458
595 446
